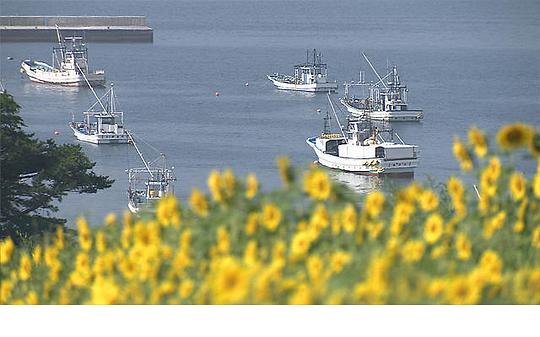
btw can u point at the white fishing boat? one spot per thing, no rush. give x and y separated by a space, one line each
69 65
386 99
311 76
104 126
363 148
150 183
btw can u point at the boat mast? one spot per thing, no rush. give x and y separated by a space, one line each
139 153
374 70
59 40
92 89
335 115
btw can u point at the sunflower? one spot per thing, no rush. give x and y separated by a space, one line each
231 282
252 186
301 296
374 229
436 287
413 251
285 170
339 259
462 155
185 288
491 266
6 248
101 242
300 244
348 218
317 184
223 241
490 176
536 237
85 237
517 185
167 212
514 136
229 182
110 219
534 145
251 223
478 140
5 291
463 247
461 290
494 224
198 203
250 253
374 203
433 228
429 201
25 267
314 266
320 218
104 291
536 181
455 187
271 217
402 215
215 185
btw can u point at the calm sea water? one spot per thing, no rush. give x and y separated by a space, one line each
465 62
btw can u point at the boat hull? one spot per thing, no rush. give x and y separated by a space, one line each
368 166
315 87
132 208
99 138
64 78
392 116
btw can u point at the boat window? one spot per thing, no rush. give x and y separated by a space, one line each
379 152
332 147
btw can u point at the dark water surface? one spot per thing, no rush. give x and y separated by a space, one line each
466 62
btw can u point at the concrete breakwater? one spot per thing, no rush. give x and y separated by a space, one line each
93 28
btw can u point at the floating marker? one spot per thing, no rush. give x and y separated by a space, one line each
247 84
216 93
56 132
318 110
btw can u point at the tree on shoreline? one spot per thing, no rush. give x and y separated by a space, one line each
35 174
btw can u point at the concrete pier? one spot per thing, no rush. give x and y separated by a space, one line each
93 28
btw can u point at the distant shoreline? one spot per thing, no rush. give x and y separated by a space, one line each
93 28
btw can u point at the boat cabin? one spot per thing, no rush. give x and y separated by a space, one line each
102 123
311 72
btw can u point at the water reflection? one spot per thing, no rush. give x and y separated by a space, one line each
358 183
363 184
43 88
63 93
295 93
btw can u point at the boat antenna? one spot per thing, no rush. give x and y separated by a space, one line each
92 89
130 136
374 70
112 101
335 115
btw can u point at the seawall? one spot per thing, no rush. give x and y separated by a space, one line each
93 28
